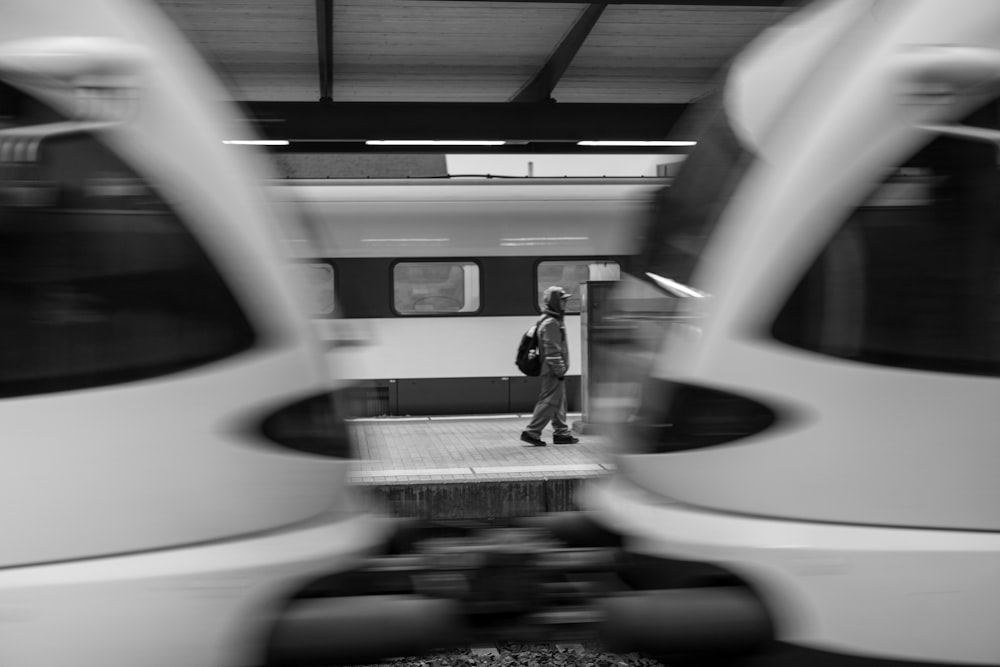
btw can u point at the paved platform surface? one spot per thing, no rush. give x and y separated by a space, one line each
446 468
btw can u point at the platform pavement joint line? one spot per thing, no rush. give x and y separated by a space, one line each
469 467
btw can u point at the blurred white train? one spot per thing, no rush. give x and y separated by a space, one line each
438 278
174 461
817 437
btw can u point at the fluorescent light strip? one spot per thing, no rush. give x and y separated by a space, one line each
457 142
546 238
636 143
256 142
432 142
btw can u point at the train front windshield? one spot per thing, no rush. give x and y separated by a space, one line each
661 275
685 214
101 282
907 279
653 297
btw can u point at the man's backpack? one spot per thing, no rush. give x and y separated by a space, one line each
529 358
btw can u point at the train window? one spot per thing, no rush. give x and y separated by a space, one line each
100 282
316 280
435 287
569 274
912 279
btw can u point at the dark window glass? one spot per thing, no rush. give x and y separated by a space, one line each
313 425
100 282
912 279
435 288
570 274
316 280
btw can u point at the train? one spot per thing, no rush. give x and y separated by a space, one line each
420 288
176 460
809 446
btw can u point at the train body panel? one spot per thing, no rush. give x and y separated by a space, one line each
824 425
478 217
141 454
497 244
848 592
205 604
440 347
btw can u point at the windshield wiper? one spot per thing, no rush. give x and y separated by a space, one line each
674 288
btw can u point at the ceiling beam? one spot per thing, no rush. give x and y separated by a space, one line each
540 88
319 122
324 44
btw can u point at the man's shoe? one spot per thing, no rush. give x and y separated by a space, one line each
564 440
527 437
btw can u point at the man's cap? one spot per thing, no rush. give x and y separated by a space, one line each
554 291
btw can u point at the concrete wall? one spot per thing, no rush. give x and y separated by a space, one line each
481 500
359 165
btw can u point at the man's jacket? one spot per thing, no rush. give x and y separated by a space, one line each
552 346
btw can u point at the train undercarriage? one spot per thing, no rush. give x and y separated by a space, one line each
552 578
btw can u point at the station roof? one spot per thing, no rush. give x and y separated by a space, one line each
327 75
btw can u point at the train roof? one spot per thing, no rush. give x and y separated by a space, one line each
469 217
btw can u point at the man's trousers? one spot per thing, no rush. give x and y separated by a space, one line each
551 406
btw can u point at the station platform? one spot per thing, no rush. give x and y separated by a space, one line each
470 467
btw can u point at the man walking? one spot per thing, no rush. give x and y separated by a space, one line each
551 404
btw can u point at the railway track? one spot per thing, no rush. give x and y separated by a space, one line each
535 654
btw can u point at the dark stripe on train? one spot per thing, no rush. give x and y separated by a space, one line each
507 284
450 396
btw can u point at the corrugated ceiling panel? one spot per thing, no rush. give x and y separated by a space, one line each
666 54
262 50
389 50
446 50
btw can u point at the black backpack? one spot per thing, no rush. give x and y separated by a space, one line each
529 357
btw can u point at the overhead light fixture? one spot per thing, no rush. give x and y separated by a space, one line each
637 143
433 142
256 142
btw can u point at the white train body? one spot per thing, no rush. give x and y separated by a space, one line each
503 241
822 424
153 351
